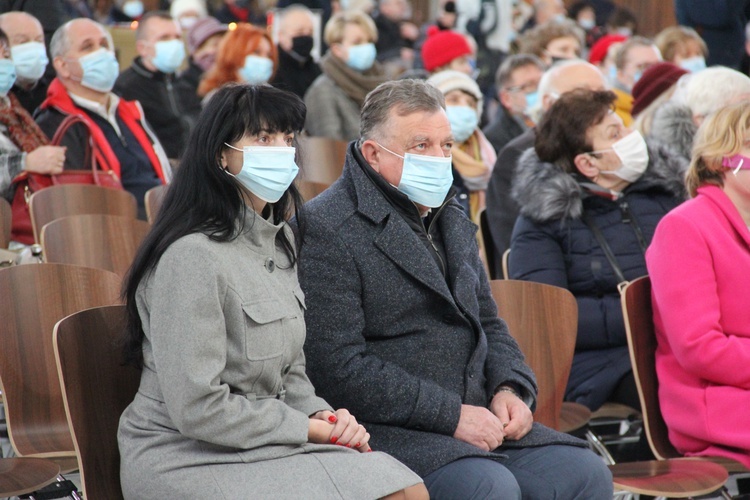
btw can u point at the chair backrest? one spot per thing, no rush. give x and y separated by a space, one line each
506 260
34 298
489 245
639 328
153 200
94 240
322 159
544 321
54 202
309 190
6 214
97 388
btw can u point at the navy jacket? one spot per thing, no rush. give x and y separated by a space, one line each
552 244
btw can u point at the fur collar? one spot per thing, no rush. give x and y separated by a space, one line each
545 193
673 124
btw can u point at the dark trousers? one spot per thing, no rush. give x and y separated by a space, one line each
546 472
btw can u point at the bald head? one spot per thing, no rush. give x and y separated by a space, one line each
566 76
21 28
295 21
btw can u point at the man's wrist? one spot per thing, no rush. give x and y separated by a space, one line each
507 387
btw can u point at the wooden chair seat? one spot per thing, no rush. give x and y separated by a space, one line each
35 297
669 478
97 388
75 199
573 416
544 321
94 240
23 475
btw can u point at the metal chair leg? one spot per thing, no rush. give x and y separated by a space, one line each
599 447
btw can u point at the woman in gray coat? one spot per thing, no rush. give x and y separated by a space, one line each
216 321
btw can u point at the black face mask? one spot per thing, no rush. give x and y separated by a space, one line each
302 46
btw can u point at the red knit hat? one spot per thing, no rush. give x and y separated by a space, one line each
653 83
443 46
600 48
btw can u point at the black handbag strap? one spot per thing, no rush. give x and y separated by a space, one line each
605 246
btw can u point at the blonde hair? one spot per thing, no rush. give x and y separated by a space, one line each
670 40
334 30
721 134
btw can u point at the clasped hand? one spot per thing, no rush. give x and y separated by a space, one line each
508 418
339 428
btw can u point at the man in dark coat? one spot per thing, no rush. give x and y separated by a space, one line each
297 68
151 79
402 327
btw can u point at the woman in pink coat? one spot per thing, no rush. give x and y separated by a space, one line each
699 263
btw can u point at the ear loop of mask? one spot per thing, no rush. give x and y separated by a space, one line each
739 166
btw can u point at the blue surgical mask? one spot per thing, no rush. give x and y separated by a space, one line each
361 57
637 76
169 55
100 70
587 23
532 99
612 75
694 64
267 171
463 120
30 59
425 180
133 8
7 76
256 69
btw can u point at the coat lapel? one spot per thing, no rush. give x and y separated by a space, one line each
399 243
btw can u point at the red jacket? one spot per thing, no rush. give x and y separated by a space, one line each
130 113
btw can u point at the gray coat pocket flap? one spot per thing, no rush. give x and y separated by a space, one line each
265 312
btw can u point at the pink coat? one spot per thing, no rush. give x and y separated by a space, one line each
699 263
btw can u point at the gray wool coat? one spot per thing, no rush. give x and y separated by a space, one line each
223 405
390 338
330 112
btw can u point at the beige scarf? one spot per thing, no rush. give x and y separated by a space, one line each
356 85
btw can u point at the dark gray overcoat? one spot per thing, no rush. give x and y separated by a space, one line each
393 341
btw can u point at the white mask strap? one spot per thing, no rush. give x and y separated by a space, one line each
739 166
230 146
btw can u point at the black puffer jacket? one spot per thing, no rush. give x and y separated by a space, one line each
552 244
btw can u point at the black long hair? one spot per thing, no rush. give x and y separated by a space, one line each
202 198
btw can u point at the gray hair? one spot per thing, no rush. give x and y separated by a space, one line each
714 88
511 64
60 43
406 96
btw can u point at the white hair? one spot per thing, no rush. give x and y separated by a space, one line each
714 88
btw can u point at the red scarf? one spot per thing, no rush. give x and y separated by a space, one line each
128 111
24 132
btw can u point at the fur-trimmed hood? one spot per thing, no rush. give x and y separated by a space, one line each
546 193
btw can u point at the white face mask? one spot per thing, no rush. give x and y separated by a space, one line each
633 154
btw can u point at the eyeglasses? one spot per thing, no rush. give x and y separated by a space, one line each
526 88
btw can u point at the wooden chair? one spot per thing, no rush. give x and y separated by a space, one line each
25 475
35 297
97 388
639 327
489 245
6 214
544 321
322 159
310 190
94 240
74 199
153 200
506 269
